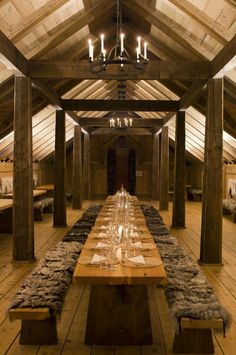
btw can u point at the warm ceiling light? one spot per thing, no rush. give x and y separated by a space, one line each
118 54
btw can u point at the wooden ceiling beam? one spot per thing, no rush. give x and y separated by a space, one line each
71 25
225 60
218 66
20 63
120 105
192 94
11 56
230 87
32 20
231 3
154 70
158 48
169 27
48 93
122 131
213 28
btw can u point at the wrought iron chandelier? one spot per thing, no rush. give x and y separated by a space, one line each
121 122
118 54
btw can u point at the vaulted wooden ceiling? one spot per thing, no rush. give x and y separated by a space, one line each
176 30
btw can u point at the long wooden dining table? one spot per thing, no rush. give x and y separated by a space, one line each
118 311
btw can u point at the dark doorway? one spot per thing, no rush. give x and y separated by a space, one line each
121 167
132 172
111 172
122 157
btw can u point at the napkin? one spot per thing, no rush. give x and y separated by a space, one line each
135 234
101 245
102 235
139 259
97 259
137 245
103 227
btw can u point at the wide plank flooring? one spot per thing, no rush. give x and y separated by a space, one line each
71 326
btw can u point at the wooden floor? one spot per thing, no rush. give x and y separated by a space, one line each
71 326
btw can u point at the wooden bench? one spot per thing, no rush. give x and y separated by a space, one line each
229 207
39 301
194 194
38 325
186 284
195 335
44 205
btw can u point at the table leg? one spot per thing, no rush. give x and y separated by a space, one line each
118 315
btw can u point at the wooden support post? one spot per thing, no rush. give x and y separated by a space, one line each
178 215
211 231
86 167
23 225
164 179
77 169
59 215
155 167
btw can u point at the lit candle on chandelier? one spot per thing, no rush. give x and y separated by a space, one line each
102 43
104 55
89 47
112 122
91 57
122 42
138 53
139 44
130 121
145 50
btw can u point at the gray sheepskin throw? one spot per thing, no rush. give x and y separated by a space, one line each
47 285
188 292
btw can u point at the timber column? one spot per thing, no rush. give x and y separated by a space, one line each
155 167
164 178
86 167
178 215
23 225
77 169
211 231
59 214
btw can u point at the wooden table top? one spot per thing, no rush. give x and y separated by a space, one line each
49 187
122 275
35 193
5 203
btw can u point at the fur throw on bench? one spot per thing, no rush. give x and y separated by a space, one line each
47 285
230 204
188 292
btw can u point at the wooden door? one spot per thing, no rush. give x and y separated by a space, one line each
111 172
122 158
121 167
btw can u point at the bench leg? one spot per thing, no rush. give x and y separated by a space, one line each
38 216
194 341
48 209
34 332
234 217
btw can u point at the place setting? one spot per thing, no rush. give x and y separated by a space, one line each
103 258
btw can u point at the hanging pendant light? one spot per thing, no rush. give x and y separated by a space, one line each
118 55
